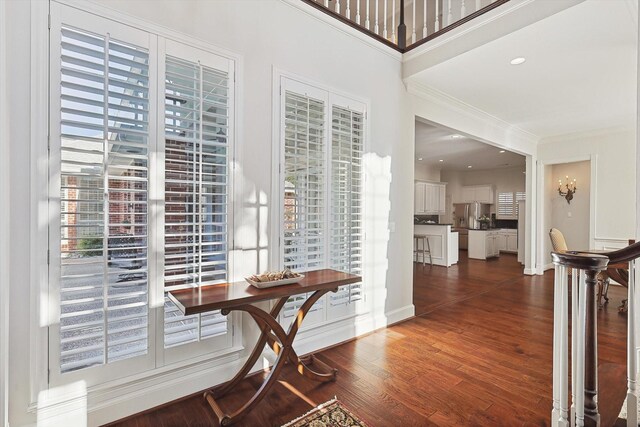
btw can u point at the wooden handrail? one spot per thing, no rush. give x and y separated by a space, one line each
401 45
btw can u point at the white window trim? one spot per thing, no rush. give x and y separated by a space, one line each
335 96
158 380
5 202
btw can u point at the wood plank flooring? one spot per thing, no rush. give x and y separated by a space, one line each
477 354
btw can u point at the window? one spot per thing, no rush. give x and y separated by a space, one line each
196 196
104 125
321 185
141 142
508 204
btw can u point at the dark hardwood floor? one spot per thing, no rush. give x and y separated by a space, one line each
477 354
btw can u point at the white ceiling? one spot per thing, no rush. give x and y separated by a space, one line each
579 74
436 143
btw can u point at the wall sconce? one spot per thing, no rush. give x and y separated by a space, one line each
569 189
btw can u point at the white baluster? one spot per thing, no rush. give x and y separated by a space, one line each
580 349
367 23
377 27
358 12
632 335
449 15
413 29
437 24
463 10
338 6
424 19
575 290
393 22
384 21
560 347
347 11
326 3
478 6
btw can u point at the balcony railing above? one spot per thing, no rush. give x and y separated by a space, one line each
405 24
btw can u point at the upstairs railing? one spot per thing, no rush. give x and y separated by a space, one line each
583 269
405 24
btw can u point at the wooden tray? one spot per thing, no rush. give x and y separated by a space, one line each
262 285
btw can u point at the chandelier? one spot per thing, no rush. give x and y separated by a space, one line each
568 190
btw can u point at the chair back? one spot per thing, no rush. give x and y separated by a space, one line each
557 240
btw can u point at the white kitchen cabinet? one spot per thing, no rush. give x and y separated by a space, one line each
512 242
478 193
502 242
483 244
429 198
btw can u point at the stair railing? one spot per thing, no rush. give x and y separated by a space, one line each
584 268
428 18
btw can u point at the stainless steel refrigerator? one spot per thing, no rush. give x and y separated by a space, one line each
467 215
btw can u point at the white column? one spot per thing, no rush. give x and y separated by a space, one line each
632 335
413 28
358 12
424 19
367 23
385 34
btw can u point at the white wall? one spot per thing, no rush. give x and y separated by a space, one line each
614 154
571 219
426 172
305 46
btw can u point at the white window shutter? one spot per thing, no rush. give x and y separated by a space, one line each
346 232
506 205
104 101
196 192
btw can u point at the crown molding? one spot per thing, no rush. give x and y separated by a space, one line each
631 127
525 142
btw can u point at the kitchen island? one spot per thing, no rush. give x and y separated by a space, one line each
443 243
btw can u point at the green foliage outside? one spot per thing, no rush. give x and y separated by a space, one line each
90 243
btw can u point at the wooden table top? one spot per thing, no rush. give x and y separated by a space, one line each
227 295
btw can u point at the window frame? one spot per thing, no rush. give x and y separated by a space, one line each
284 81
157 360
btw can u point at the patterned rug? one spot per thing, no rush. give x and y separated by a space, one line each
329 414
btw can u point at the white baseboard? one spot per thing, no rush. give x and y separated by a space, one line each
112 404
548 266
530 271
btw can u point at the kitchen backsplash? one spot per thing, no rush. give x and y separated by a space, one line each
426 219
507 223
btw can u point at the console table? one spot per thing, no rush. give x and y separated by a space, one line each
240 296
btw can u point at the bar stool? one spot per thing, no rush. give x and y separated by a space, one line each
426 248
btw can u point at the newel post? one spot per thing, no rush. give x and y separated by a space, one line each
402 28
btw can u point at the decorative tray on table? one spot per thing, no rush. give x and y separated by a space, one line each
274 278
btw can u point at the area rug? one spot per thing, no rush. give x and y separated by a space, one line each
329 414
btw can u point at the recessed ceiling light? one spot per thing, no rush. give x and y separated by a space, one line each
502 151
420 158
469 166
441 160
456 136
517 61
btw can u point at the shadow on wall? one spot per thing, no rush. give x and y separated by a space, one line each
377 207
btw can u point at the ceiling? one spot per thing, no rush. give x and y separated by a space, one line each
436 143
579 74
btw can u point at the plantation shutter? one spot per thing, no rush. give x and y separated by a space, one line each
196 192
347 135
104 102
506 208
520 195
304 230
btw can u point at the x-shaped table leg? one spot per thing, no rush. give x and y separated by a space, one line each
282 344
